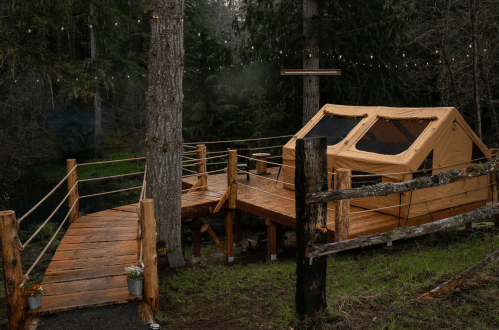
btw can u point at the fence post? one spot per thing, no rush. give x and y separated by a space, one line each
311 224
149 254
229 216
342 207
12 272
72 180
201 165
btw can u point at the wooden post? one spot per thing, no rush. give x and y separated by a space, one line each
149 254
237 227
271 240
342 207
311 224
201 165
495 186
229 216
12 272
72 180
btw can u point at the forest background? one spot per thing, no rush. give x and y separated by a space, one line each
73 76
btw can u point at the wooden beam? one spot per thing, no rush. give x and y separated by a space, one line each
194 187
495 187
222 200
201 165
229 235
311 169
342 207
146 314
210 231
232 178
271 240
381 189
149 255
12 272
72 180
310 72
403 233
237 227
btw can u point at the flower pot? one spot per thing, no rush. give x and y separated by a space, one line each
35 301
135 286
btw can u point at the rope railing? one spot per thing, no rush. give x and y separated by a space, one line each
110 177
26 275
50 217
208 185
217 152
201 173
216 163
110 192
199 159
112 161
263 148
46 196
263 161
262 177
184 169
139 229
266 192
189 158
188 146
229 141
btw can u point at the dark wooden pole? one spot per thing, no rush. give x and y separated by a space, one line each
149 254
342 207
229 215
311 222
72 180
12 272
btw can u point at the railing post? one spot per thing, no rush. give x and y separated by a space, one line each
12 272
311 226
72 180
149 254
201 165
229 215
342 207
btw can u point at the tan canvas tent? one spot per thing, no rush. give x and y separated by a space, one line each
381 144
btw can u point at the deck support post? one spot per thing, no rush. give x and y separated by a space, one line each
271 240
237 227
201 165
229 216
149 254
342 207
311 226
72 180
12 272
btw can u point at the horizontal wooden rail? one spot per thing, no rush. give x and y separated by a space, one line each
482 213
384 189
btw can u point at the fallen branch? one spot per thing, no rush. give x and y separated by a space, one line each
479 214
384 189
446 286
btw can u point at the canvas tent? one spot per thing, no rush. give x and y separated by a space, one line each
381 144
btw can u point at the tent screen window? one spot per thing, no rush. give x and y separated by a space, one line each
392 136
335 128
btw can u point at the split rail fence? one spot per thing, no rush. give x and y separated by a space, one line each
311 215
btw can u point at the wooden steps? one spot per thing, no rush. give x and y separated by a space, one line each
88 268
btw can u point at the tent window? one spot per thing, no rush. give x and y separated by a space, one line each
477 155
425 169
335 128
365 180
392 136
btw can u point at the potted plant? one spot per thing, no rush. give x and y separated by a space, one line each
135 280
34 293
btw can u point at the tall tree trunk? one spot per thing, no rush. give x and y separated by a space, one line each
164 118
97 99
476 96
311 90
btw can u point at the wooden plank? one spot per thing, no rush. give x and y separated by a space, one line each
101 230
127 208
81 274
61 265
96 245
342 207
94 284
98 237
96 253
57 304
97 224
108 218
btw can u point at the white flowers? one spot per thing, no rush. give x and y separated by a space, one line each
134 272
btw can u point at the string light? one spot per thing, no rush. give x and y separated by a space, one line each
138 21
436 52
90 26
62 28
252 47
116 24
403 54
29 30
371 57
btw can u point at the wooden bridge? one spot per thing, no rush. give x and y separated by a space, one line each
88 268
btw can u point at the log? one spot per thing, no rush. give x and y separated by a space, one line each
382 189
146 314
149 255
447 285
342 207
462 219
201 165
271 240
12 272
237 227
207 227
311 169
229 235
72 180
232 178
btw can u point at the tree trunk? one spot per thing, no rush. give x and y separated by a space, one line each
311 90
164 119
97 99
476 96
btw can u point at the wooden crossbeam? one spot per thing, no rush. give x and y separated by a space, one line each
194 187
310 72
210 231
222 200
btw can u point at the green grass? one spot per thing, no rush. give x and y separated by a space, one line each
373 287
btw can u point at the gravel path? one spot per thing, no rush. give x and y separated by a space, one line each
119 317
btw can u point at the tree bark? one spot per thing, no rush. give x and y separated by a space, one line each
476 96
97 98
311 88
164 118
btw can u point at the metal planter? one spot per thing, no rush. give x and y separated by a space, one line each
35 301
135 286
